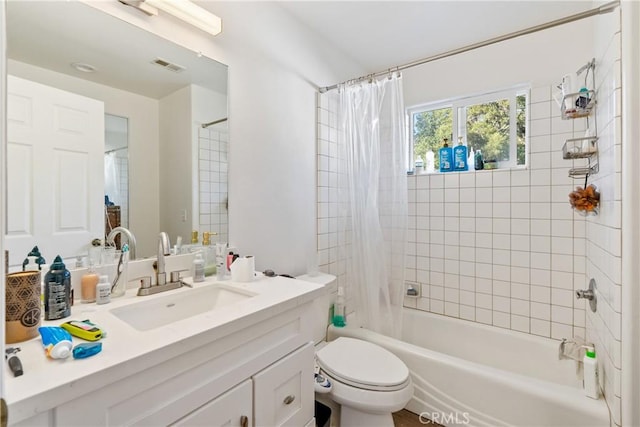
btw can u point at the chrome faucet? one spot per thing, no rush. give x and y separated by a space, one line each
132 240
164 249
175 282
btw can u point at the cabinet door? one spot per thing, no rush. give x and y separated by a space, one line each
283 392
232 409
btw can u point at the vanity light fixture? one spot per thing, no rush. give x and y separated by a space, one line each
184 10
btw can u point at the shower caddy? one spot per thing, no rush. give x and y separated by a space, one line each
582 105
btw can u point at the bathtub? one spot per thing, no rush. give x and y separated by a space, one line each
466 373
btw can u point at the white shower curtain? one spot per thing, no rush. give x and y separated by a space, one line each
111 178
373 211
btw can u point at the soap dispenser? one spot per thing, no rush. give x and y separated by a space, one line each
460 157
446 157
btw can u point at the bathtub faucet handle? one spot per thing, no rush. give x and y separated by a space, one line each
589 294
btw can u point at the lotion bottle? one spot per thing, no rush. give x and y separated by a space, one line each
103 291
590 368
198 268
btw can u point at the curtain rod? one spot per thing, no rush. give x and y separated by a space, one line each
215 122
115 149
605 8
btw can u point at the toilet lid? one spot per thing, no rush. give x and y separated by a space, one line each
362 363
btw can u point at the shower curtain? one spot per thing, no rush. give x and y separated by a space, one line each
372 205
111 178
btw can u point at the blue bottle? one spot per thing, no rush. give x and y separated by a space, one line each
446 158
460 157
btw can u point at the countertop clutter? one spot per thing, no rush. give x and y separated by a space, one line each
128 350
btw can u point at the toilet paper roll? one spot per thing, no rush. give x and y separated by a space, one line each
243 269
22 306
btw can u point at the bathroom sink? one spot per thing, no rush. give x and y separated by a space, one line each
151 314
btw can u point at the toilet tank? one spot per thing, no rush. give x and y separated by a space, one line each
322 304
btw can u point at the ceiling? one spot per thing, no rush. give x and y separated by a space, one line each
54 34
379 35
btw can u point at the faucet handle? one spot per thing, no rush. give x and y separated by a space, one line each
145 281
175 275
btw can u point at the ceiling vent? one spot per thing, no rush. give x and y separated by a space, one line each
168 65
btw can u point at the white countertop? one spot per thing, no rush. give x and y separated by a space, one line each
47 383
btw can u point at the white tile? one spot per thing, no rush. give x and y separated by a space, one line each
541 327
520 323
467 180
540 310
484 179
501 320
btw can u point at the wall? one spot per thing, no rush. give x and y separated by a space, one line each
175 164
273 80
604 236
143 151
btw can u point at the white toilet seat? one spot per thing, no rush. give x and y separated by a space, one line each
363 365
371 401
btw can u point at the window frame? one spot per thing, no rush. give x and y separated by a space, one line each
459 118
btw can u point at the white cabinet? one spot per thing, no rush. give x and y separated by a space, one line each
260 376
284 393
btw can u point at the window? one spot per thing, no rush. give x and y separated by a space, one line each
493 123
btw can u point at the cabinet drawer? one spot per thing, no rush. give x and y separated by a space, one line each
232 409
283 392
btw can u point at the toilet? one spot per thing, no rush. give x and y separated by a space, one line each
368 382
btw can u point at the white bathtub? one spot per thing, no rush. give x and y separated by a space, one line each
471 374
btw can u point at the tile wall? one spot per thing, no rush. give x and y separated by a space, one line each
604 236
213 183
122 164
497 247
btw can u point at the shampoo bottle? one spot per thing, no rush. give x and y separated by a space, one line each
591 383
446 157
460 157
57 291
471 160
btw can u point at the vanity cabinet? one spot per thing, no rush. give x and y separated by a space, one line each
260 375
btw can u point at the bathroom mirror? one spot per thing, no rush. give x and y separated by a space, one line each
160 91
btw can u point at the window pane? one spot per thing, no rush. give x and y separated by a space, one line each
488 129
429 129
521 127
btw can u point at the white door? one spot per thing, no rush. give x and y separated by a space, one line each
55 174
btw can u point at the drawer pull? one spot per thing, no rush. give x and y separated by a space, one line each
289 400
244 421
